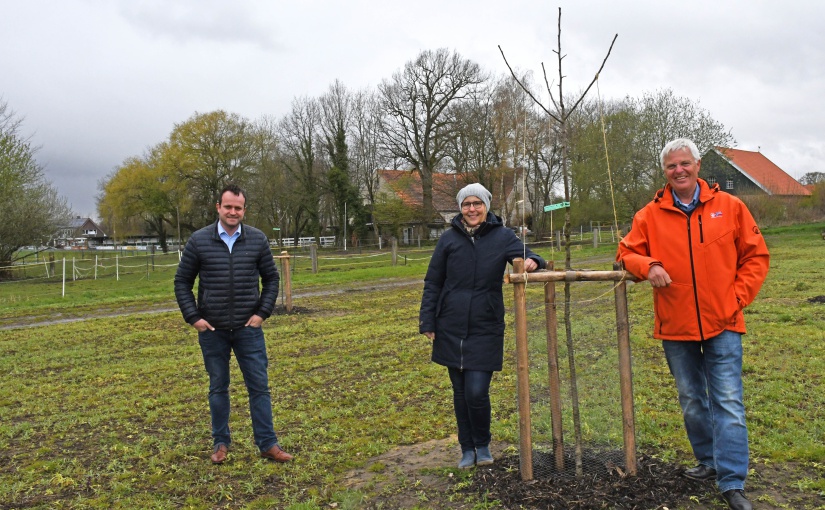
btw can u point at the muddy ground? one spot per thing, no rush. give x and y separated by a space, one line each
424 476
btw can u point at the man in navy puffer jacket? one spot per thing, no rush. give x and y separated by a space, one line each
228 259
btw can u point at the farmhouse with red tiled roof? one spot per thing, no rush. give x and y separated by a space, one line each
748 173
406 185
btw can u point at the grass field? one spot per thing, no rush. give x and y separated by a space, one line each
93 283
111 412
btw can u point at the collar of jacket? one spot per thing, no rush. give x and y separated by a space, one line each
217 235
664 197
492 222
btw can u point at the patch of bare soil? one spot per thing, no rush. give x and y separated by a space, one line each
817 299
425 476
409 476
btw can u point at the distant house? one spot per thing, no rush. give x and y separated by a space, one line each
741 173
79 233
406 185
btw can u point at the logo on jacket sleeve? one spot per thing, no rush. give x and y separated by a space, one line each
717 214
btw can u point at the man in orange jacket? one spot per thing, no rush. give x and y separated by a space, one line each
706 259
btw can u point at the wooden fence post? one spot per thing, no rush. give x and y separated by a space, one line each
313 255
394 251
625 374
551 322
596 237
523 375
286 275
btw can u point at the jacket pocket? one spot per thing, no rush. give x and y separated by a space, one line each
675 308
440 303
714 235
203 304
495 302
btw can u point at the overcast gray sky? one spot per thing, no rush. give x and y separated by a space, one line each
98 81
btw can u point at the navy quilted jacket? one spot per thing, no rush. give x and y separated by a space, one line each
462 300
228 283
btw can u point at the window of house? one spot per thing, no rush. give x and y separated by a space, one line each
711 180
729 184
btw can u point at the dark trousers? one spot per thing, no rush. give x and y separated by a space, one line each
250 349
471 399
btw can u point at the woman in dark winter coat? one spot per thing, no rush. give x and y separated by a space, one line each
462 312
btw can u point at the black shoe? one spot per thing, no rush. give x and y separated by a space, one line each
736 499
700 472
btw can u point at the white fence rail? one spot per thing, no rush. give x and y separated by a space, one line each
289 242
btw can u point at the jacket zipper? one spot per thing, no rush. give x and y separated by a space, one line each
701 232
231 287
461 344
693 274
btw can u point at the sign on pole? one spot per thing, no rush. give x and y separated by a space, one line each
553 207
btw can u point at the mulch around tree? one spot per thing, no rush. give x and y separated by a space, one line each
657 485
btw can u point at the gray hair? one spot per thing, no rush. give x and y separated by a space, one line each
679 144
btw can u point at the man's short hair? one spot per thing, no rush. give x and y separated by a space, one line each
234 189
678 144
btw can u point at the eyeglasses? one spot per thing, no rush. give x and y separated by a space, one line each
475 205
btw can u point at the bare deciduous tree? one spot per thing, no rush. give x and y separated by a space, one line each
366 154
418 101
664 117
812 178
300 157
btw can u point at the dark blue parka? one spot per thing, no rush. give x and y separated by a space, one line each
463 301
228 283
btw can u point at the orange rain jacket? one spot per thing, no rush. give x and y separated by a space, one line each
717 260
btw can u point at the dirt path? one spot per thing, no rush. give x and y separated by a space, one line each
171 306
83 313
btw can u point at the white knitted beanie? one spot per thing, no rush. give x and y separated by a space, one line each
475 190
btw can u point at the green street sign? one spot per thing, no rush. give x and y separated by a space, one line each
275 228
553 207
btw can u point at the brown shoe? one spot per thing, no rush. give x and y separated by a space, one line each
275 453
220 454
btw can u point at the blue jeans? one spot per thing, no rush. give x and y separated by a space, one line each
708 377
471 399
250 350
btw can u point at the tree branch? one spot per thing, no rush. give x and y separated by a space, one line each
526 89
595 77
547 84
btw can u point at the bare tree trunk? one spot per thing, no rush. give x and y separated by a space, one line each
427 198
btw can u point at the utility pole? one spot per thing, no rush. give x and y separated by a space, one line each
177 210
